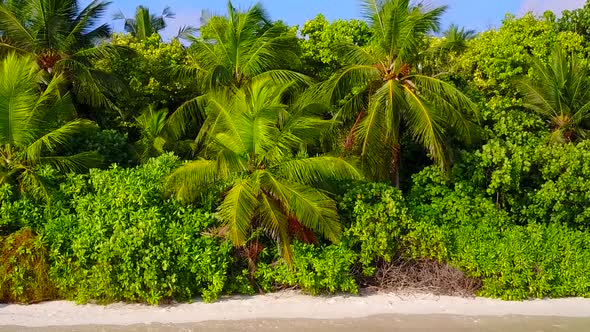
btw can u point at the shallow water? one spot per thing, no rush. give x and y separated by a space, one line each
393 323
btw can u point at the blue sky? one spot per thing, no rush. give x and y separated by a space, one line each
473 14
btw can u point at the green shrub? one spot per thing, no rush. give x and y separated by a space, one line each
457 224
326 269
112 145
376 216
445 202
564 195
534 261
24 269
147 72
18 213
118 239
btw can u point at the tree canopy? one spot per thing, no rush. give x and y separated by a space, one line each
253 155
34 124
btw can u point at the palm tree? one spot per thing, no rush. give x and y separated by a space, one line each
145 24
159 133
455 39
63 38
253 141
391 95
153 125
242 47
32 128
560 93
234 51
440 57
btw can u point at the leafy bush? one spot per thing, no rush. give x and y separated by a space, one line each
320 36
377 215
460 225
315 269
16 214
564 195
374 215
148 74
498 55
112 145
24 269
118 239
521 262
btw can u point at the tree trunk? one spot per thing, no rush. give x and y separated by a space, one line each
350 139
396 154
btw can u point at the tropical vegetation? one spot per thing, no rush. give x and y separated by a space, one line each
63 37
34 124
249 155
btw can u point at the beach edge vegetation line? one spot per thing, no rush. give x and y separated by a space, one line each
251 156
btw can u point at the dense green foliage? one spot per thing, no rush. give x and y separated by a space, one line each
116 238
24 268
253 141
34 125
319 39
458 224
147 74
138 169
63 38
393 97
576 21
374 217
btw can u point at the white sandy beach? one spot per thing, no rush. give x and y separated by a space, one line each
283 305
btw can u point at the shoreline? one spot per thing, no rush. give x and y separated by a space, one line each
283 305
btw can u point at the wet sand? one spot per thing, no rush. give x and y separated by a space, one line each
393 323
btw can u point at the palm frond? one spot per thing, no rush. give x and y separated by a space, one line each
228 121
84 30
153 125
168 13
20 37
345 80
186 32
191 179
74 163
581 114
19 96
457 108
237 210
56 138
312 208
91 15
318 170
35 185
535 98
559 93
455 39
353 54
187 113
378 132
276 223
87 88
51 105
282 76
229 162
426 125
373 14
